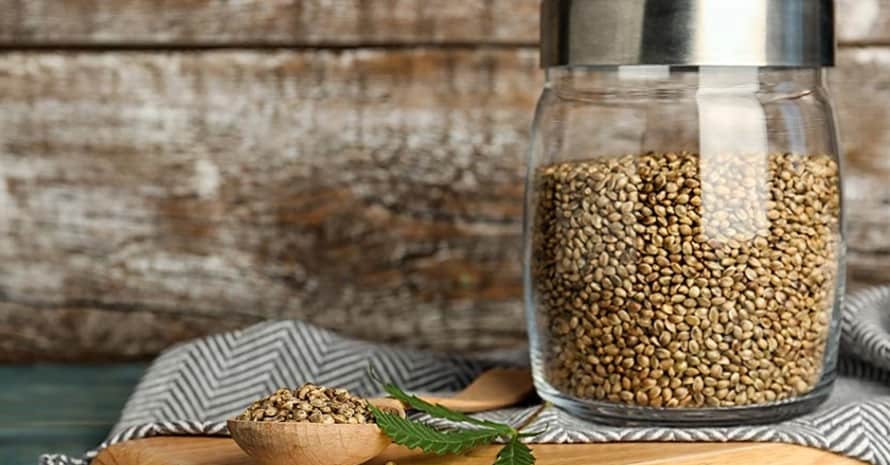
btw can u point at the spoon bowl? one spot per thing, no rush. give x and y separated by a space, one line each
288 443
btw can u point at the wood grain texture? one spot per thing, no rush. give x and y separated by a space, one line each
149 198
78 23
374 192
861 87
93 397
224 451
863 22
266 22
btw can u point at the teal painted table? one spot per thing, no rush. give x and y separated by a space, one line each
60 408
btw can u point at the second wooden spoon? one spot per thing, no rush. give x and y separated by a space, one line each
493 389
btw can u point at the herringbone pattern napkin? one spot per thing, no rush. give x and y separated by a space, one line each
191 389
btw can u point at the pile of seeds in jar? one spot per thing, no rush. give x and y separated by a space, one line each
310 404
674 280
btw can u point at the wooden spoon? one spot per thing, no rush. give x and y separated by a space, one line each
493 389
288 443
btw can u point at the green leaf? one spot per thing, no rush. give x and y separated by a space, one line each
515 453
439 411
418 435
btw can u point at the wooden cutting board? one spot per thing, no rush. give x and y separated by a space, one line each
223 451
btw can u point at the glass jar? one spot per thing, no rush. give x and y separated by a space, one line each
683 221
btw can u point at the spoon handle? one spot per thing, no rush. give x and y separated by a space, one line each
493 389
458 405
389 405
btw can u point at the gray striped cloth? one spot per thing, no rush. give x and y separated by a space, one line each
192 388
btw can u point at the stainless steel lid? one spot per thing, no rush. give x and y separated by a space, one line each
793 33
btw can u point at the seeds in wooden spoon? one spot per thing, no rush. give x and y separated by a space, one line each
310 404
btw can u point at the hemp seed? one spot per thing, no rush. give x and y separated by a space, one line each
310 404
701 281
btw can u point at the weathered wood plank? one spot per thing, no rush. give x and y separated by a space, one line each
148 198
863 21
267 22
317 22
145 198
861 87
92 395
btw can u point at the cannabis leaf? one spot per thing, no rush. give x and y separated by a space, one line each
515 453
439 411
414 434
418 435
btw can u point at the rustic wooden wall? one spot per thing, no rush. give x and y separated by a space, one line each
173 168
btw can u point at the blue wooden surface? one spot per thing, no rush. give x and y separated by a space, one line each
60 408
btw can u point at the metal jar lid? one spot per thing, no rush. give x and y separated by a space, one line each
792 33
